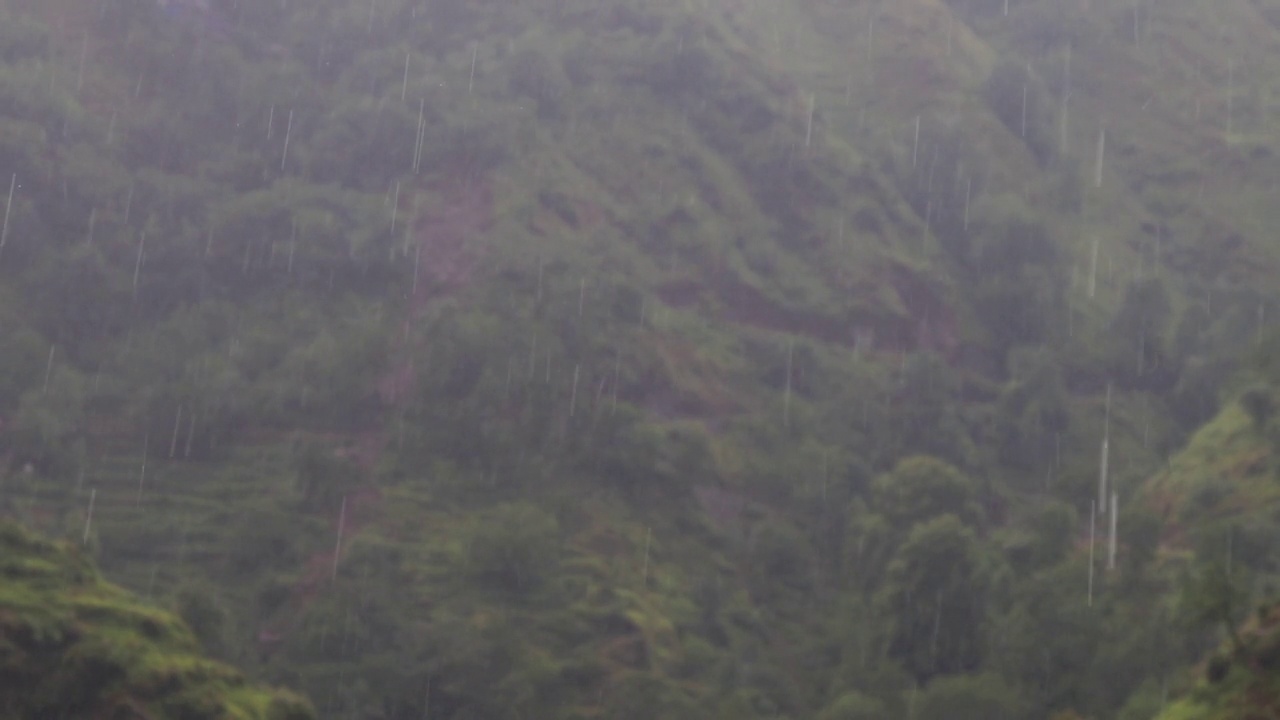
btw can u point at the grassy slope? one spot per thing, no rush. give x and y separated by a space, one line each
1226 472
1251 687
1218 496
72 643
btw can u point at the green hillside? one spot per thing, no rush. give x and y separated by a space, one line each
72 645
1218 498
638 359
1237 684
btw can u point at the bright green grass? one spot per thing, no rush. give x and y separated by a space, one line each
73 645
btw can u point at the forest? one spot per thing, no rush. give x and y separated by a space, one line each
631 359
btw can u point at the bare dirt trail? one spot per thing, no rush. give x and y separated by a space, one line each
443 260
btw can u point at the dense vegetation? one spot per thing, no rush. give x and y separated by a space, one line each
73 646
627 359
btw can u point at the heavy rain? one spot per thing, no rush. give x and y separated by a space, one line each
639 359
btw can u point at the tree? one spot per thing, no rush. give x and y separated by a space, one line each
933 599
1259 403
1216 595
921 488
926 418
1042 536
513 547
640 696
200 610
1140 332
49 424
1048 640
974 697
868 546
780 556
1015 274
23 355
1031 412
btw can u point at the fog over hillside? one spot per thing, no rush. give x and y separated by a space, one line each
632 359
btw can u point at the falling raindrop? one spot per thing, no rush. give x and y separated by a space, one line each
88 516
142 471
342 524
808 133
1102 149
1093 266
137 266
1105 454
573 397
1093 531
475 50
786 397
404 87
48 369
1115 521
8 208
288 132
915 146
177 427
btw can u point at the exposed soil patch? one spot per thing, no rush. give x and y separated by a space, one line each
744 304
446 258
685 385
360 509
930 324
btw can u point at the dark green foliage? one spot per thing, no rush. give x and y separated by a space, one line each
975 697
1032 412
780 557
1018 281
655 399
21 351
72 645
322 477
1141 328
1217 668
513 548
199 609
934 596
1044 536
920 489
1216 595
641 696
924 418
1017 97
1258 402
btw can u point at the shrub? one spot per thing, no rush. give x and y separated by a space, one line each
513 548
1217 669
854 706
1259 404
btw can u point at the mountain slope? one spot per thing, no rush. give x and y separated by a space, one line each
574 358
1236 686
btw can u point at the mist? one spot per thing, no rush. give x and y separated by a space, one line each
639 359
